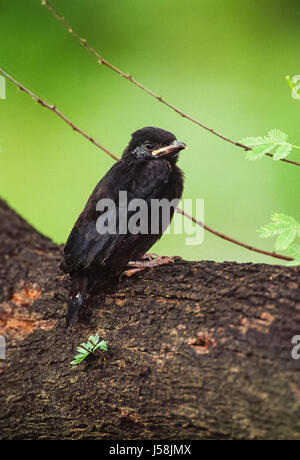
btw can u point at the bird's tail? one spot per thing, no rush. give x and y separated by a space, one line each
73 309
77 297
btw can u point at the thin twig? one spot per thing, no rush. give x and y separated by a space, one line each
55 110
128 77
232 240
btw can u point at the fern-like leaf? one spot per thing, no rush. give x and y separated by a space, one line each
294 250
277 136
85 349
102 345
259 151
285 221
286 238
253 141
275 141
94 339
286 228
282 151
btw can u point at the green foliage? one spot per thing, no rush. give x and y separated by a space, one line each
294 251
88 348
275 142
286 229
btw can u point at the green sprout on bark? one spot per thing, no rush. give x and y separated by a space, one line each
89 348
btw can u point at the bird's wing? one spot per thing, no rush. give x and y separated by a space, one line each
89 241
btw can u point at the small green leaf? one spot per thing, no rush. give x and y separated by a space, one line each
276 139
268 230
94 339
277 136
282 151
78 359
294 250
82 350
102 345
284 227
285 221
253 141
285 239
86 349
258 152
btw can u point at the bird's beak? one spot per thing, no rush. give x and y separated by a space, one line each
175 147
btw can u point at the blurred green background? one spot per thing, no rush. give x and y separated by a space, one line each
223 63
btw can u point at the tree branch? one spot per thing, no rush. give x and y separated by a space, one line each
196 350
232 240
74 127
128 77
55 110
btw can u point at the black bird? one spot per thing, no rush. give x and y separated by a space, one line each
147 171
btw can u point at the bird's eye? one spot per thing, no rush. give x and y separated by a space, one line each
149 146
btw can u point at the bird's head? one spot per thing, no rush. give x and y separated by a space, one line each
152 144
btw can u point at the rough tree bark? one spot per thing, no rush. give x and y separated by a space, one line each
197 350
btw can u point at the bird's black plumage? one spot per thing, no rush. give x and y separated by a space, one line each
147 171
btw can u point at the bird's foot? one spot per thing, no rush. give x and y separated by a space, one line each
140 265
149 256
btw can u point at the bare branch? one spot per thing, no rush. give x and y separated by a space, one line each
232 240
128 77
74 127
55 110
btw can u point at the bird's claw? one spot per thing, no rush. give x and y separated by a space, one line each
149 256
140 265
